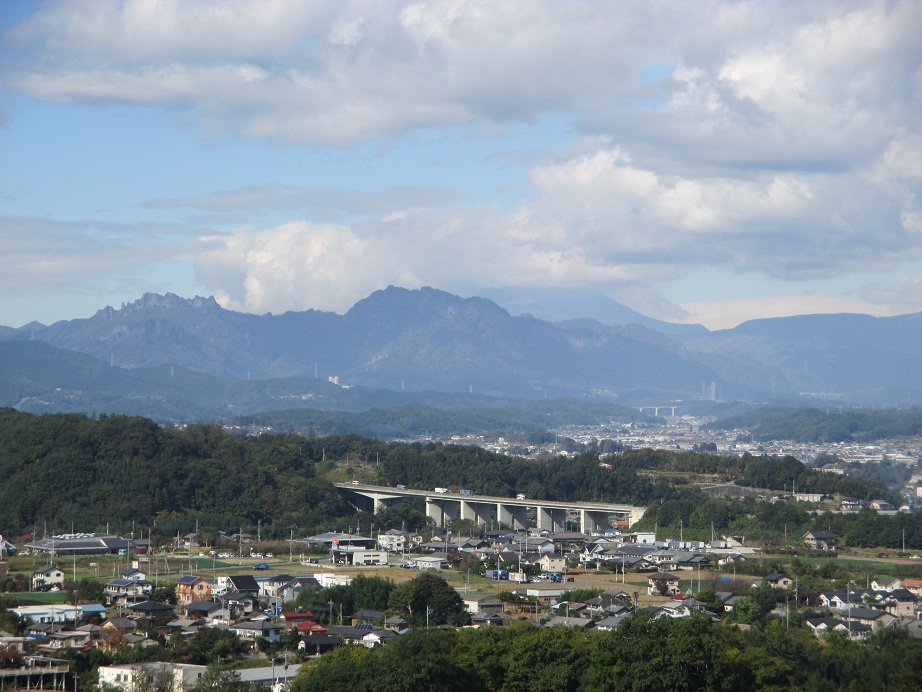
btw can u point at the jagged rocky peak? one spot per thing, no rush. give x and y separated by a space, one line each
155 301
169 301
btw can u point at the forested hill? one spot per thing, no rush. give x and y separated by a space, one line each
68 471
829 425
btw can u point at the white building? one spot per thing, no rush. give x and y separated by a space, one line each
135 676
49 613
359 556
328 580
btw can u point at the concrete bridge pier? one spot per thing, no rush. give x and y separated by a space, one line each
591 521
440 511
552 519
480 512
515 516
382 502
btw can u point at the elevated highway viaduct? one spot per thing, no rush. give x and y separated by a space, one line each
484 509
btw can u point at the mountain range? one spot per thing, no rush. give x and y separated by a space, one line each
398 346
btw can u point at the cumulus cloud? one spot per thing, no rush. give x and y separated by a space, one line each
594 219
347 71
780 138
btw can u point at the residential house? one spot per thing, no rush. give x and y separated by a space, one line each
291 590
612 622
552 562
837 600
317 644
115 632
535 545
544 596
662 584
253 630
292 618
857 631
47 577
121 591
377 637
820 539
192 588
349 634
730 603
367 616
876 619
778 580
395 541
238 603
69 639
886 584
396 623
901 602
610 602
574 609
635 551
481 603
210 611
677 610
41 630
243 583
274 585
487 620
913 585
183 626
152 609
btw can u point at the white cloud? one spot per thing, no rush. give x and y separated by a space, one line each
781 138
340 71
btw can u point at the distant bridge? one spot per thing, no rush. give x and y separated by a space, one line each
483 509
656 409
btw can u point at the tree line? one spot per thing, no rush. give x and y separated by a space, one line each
70 470
644 653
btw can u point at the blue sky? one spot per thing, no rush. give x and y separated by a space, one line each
698 162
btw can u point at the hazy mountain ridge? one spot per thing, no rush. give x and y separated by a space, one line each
430 340
857 357
395 338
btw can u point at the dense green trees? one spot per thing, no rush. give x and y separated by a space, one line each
428 600
830 425
645 653
72 470
372 593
